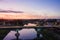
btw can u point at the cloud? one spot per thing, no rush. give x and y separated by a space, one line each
10 11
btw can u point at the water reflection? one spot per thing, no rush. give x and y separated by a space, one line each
24 34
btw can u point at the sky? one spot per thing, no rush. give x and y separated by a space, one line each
32 7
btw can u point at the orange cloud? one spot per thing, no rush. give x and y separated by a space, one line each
19 16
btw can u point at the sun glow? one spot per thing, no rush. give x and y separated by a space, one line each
18 16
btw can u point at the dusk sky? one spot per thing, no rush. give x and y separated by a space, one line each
32 7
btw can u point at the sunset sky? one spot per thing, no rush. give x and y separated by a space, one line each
30 8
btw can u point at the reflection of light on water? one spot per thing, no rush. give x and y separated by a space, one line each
27 34
10 35
30 24
24 34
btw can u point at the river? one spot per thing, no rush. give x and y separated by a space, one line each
24 34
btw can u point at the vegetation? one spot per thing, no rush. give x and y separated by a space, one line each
3 33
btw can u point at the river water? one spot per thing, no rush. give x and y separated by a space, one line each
24 34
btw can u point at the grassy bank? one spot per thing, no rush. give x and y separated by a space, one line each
3 33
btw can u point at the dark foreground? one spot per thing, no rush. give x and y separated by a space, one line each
49 33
